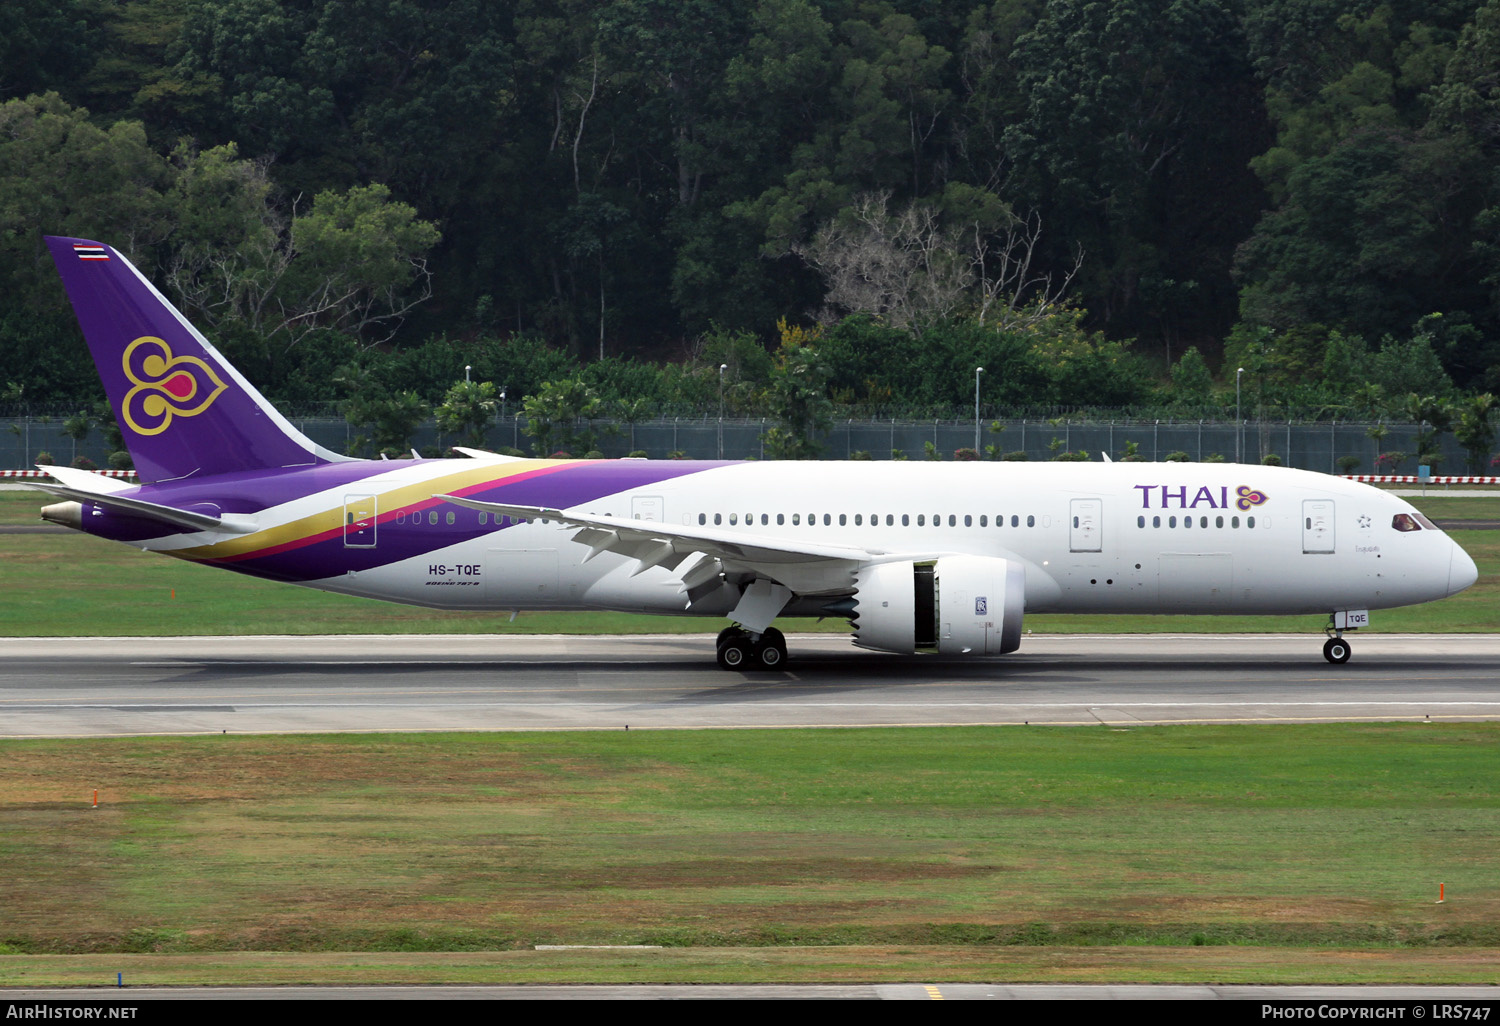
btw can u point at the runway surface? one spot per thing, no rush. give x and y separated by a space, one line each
116 686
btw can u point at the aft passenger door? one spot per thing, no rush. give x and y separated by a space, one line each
359 521
1317 525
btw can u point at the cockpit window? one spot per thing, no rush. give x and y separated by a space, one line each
1405 522
1425 522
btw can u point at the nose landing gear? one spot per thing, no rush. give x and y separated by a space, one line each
1336 650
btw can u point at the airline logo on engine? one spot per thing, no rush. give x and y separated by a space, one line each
1177 497
165 386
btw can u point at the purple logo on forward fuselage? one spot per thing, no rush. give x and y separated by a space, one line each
1179 497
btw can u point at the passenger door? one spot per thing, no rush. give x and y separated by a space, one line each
1317 525
359 521
1086 533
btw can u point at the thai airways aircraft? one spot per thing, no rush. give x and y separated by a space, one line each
920 557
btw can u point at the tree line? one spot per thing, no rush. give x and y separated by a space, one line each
1145 202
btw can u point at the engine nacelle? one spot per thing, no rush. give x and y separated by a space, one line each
956 605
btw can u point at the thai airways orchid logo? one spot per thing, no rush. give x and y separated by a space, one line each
165 386
1249 497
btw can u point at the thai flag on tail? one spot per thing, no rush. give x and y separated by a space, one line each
91 252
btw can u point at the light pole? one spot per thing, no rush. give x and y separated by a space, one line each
977 371
722 368
1239 434
467 368
502 416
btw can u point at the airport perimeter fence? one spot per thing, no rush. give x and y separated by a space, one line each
1316 445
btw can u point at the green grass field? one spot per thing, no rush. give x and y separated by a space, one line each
70 585
1252 854
1255 854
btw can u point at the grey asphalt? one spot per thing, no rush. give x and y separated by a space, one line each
122 686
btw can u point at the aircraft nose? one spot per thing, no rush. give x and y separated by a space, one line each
1461 571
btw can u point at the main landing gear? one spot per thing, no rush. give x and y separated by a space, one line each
740 650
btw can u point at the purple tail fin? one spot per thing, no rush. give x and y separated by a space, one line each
183 409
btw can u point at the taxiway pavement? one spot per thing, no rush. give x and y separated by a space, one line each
120 686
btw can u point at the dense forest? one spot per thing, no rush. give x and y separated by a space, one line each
835 201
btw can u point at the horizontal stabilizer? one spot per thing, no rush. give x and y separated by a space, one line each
75 487
86 480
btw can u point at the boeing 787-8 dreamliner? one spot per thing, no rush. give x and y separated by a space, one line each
920 557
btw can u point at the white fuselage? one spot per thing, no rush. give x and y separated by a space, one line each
1122 537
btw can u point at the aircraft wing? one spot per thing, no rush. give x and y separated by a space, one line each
485 454
802 565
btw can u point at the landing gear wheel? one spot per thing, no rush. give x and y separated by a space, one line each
771 650
735 654
1336 650
731 631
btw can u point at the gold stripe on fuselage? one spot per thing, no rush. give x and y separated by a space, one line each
330 521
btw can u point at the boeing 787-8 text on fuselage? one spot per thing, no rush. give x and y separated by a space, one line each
940 557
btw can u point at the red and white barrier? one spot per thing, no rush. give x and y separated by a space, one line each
1414 479
43 474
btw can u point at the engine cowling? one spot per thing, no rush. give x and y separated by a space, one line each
955 605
